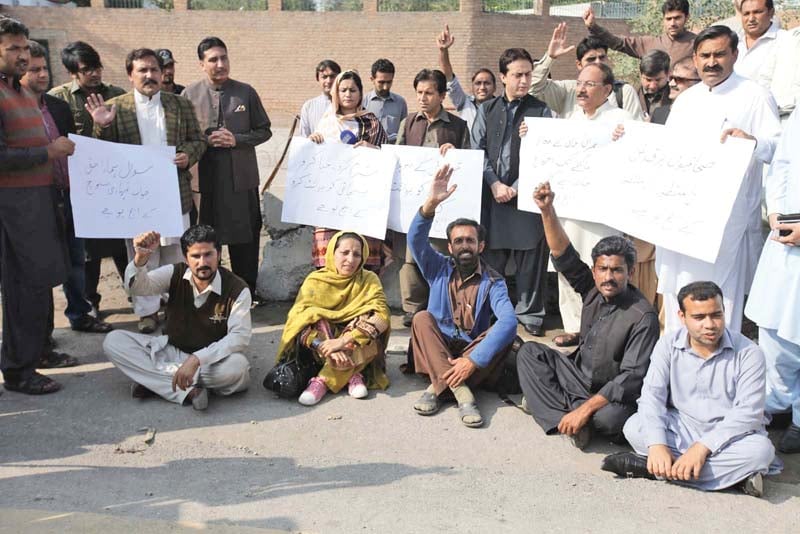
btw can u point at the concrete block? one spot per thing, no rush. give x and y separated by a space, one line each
286 263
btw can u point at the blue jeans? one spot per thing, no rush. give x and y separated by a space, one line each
75 285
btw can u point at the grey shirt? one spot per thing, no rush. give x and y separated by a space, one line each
390 111
722 397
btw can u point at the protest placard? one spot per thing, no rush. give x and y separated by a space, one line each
412 181
338 186
119 190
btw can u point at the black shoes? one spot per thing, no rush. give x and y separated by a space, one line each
753 485
627 464
581 439
790 442
408 317
536 330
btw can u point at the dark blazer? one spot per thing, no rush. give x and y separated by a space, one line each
62 114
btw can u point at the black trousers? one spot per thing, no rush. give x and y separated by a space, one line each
244 262
554 386
529 279
97 249
33 260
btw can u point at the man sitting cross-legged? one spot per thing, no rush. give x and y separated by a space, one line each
452 341
594 388
208 324
701 414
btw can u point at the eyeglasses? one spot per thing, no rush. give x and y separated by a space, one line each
86 71
678 79
589 84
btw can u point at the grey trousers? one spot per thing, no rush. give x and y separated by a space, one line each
740 458
151 362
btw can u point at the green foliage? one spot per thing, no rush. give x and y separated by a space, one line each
322 5
419 5
228 5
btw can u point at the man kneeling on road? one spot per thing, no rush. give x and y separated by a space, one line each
207 329
595 388
701 413
452 340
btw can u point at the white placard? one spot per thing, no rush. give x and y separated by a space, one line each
119 190
672 188
412 183
337 186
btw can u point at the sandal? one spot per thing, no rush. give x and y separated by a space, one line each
566 340
36 384
428 404
92 325
469 414
56 360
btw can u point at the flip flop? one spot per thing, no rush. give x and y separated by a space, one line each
57 360
468 412
566 340
428 404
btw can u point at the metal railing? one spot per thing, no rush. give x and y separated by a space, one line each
321 5
568 8
419 5
229 5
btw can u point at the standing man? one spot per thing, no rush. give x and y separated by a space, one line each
595 388
168 84
675 41
781 75
758 37
483 81
208 324
149 116
58 123
654 87
234 122
32 252
512 232
774 302
724 105
84 66
389 107
684 75
561 96
701 414
313 109
431 127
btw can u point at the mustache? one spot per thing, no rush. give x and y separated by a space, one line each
713 68
609 284
150 82
582 94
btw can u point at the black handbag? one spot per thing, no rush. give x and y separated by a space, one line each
289 378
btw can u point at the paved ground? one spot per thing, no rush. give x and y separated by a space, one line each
77 461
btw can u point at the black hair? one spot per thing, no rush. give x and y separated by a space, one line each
487 71
510 55
435 76
769 4
37 50
461 221
199 233
9 26
349 235
353 75
207 44
714 32
327 64
382 65
608 74
615 245
675 5
141 53
79 52
589 43
698 291
654 63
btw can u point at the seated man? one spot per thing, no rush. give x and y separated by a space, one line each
701 413
452 341
595 387
208 324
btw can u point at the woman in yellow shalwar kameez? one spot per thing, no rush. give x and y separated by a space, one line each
340 318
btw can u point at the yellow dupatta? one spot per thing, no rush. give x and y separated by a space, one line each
325 294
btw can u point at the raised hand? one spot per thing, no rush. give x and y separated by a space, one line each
543 196
558 43
588 18
445 39
144 245
101 114
439 190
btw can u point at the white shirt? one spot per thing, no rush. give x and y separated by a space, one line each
752 60
774 300
312 112
150 117
735 103
780 73
156 282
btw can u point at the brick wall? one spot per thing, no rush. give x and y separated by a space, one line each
276 51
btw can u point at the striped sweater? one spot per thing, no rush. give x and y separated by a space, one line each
22 127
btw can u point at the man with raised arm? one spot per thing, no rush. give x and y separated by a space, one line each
675 41
701 414
453 341
593 389
208 324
